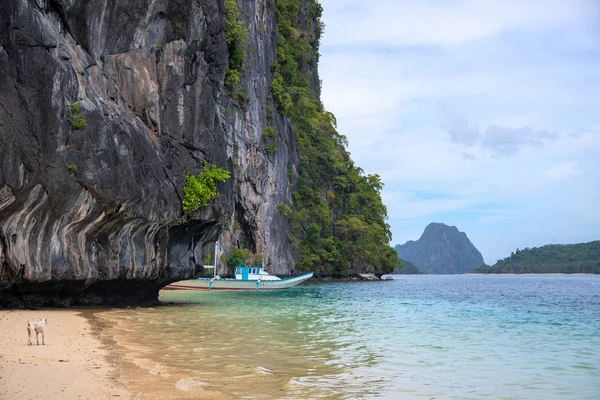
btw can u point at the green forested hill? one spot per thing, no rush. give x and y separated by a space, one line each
556 258
337 219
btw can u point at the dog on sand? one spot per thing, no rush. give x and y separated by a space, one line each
36 327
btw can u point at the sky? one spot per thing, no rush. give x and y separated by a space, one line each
484 115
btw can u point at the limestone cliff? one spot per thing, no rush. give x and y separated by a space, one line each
93 215
441 249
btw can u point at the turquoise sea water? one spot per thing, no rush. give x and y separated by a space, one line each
418 337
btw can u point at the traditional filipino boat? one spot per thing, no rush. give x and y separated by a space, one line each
246 278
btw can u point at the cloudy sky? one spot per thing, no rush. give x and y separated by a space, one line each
483 114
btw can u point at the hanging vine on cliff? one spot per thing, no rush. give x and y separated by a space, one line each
236 37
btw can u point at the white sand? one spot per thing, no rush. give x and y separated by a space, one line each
72 364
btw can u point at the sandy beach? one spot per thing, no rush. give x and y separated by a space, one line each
71 365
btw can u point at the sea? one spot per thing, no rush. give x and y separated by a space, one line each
415 337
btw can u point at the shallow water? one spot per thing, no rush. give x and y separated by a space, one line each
418 337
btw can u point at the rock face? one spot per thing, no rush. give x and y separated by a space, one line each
94 215
441 249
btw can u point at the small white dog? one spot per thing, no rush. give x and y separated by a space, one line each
36 327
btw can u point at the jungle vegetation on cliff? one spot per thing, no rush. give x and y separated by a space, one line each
337 220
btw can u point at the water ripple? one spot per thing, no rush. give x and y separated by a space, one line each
443 337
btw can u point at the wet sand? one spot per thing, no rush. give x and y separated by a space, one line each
71 365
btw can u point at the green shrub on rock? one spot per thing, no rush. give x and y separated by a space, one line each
200 189
76 118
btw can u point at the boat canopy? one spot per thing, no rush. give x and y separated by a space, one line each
251 269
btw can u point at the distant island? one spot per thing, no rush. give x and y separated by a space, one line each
407 268
441 249
555 258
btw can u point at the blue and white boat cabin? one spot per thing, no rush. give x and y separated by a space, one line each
253 273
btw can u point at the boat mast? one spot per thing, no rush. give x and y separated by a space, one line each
215 264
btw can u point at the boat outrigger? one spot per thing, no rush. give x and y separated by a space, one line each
246 278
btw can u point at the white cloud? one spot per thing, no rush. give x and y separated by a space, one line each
500 140
446 23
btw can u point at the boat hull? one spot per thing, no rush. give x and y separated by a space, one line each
236 284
